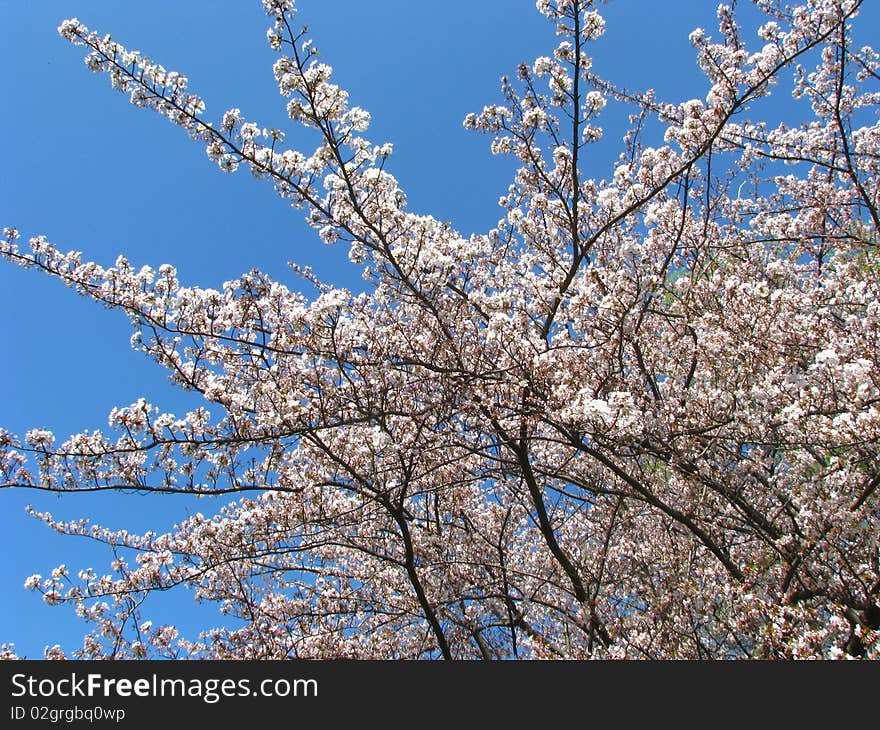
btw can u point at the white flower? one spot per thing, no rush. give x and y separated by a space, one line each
542 66
39 438
359 119
277 7
594 101
828 356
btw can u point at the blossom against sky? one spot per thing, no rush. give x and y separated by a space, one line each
94 174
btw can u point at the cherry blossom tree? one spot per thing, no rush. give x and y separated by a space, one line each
640 418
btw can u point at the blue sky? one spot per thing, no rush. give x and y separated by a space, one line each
95 174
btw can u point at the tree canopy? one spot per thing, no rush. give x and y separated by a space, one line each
638 418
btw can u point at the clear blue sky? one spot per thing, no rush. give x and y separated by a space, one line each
93 173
